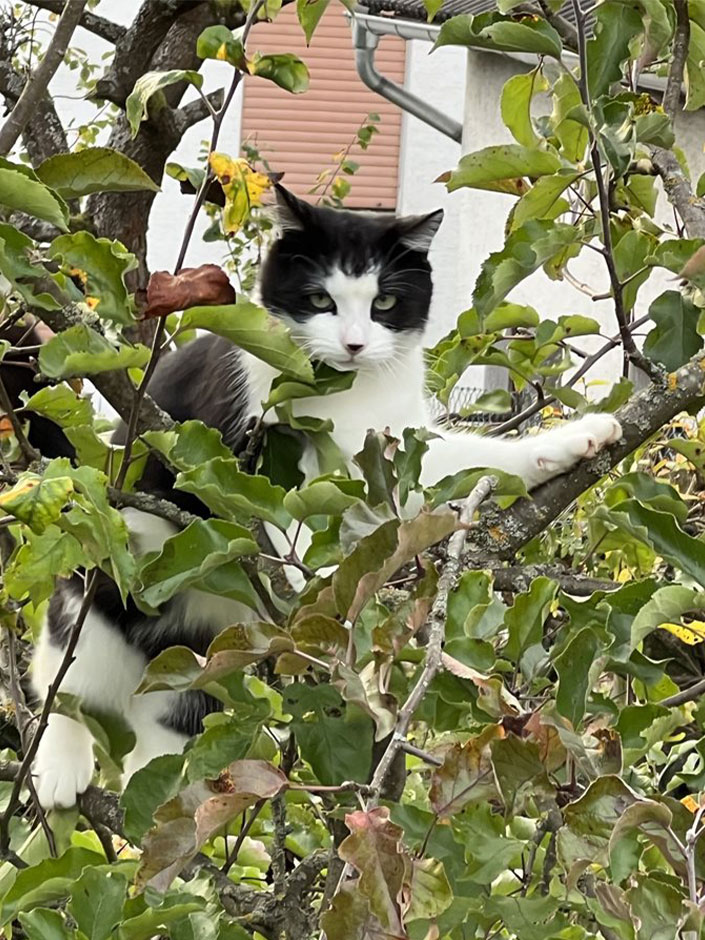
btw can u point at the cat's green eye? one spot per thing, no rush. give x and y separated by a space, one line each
384 302
321 301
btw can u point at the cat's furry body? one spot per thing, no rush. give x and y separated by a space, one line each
355 291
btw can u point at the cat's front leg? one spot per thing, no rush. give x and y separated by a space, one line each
64 764
560 449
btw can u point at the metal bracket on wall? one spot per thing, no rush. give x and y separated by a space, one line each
366 41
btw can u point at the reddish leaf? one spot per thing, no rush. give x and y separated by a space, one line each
206 285
187 821
374 848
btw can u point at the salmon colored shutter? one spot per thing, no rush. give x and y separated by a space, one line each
299 134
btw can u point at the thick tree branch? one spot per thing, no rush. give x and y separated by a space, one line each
681 40
502 533
38 82
134 51
105 28
679 191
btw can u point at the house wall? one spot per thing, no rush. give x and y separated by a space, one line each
439 79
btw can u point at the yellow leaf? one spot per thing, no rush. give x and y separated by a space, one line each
222 53
92 302
690 633
243 187
690 803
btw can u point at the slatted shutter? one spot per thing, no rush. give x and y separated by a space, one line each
299 134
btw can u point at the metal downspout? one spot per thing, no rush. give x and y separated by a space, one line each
366 44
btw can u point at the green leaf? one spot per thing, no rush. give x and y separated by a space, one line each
572 135
432 7
675 339
22 194
515 104
102 264
94 170
35 501
616 24
524 251
662 532
149 84
98 527
147 789
44 924
309 13
666 605
61 405
50 880
430 892
630 255
694 76
16 249
320 498
229 492
519 771
40 560
187 557
189 444
335 739
494 31
96 902
81 351
675 254
253 329
543 200
574 665
283 68
218 42
502 168
524 619
507 315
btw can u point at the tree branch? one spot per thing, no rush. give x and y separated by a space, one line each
681 41
134 51
519 578
38 82
198 110
502 533
105 28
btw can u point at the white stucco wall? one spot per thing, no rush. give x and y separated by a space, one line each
438 79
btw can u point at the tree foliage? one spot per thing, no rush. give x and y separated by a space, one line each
449 732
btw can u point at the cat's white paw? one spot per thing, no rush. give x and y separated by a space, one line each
558 450
63 767
590 434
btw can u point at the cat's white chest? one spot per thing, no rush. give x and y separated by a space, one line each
381 399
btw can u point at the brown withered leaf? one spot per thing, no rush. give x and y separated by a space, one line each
205 285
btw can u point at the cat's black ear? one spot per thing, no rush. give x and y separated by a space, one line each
417 231
292 213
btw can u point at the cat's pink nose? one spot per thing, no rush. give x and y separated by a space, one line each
354 348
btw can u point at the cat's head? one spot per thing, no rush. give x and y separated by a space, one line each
355 288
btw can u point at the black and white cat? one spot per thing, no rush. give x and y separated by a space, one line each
355 289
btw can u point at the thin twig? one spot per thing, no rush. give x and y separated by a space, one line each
28 452
690 694
38 81
435 626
